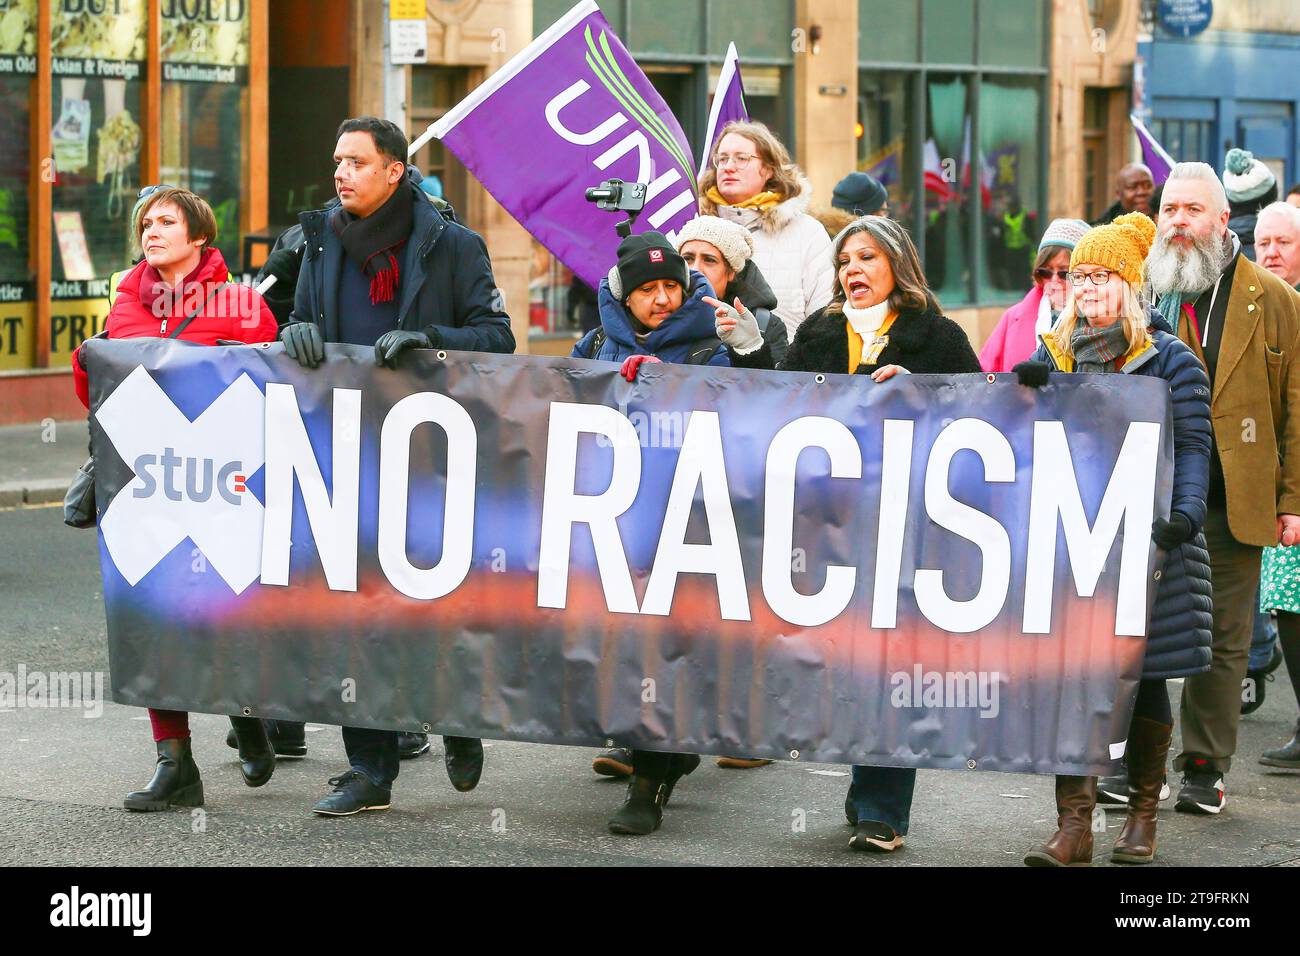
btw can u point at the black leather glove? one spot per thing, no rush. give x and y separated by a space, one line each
284 265
302 342
1170 534
393 344
1032 374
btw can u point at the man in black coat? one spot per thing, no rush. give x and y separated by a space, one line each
1135 191
384 268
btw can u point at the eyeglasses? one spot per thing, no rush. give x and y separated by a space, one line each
1100 277
1045 274
740 160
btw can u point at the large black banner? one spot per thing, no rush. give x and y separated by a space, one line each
936 571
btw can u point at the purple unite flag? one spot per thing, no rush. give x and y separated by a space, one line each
1153 154
570 110
728 104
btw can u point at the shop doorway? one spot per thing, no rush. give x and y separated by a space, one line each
433 91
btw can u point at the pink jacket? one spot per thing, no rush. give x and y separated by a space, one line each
1013 339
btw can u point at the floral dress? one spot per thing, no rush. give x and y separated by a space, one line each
1279 580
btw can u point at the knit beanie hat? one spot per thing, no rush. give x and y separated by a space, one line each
1063 232
1121 246
730 238
1244 177
643 258
860 194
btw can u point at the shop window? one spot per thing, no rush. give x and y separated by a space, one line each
947 173
885 104
768 100
761 29
949 31
98 79
205 109
434 91
17 295
1008 155
668 26
546 12
887 31
1011 32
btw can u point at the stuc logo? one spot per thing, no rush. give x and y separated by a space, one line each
190 479
656 255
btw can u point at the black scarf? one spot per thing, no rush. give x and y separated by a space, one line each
373 242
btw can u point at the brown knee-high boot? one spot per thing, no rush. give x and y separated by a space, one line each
1071 844
1148 747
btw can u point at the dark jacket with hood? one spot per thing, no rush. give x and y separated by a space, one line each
445 290
682 338
918 341
756 295
1178 639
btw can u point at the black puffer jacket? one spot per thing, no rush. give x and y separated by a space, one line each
920 342
755 294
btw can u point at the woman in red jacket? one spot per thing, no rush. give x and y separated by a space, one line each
183 276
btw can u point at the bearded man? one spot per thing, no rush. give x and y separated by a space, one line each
1244 324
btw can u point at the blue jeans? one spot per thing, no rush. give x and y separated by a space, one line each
1262 640
883 794
374 753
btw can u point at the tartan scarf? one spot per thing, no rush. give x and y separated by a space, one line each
1098 350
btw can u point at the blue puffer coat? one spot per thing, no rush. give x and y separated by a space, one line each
1178 640
685 331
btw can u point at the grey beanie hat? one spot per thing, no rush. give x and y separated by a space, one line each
731 239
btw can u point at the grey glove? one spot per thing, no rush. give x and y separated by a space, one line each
745 336
303 343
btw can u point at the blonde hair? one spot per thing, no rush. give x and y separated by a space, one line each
1133 314
771 152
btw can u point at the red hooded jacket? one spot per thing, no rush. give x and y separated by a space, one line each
236 312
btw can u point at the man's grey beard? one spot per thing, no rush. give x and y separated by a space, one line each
1187 271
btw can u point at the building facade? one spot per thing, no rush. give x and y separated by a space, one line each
984 118
1233 83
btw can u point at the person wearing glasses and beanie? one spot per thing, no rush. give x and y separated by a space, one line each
1016 335
752 181
1105 328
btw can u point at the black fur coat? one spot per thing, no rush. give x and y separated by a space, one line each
918 341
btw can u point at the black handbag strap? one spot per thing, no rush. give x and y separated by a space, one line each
197 312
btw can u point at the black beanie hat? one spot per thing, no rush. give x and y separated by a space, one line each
859 194
643 258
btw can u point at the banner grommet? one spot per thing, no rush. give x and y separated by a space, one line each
425 728
794 755
970 764
820 379
247 711
990 378
442 355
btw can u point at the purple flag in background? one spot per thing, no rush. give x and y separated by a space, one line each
728 104
570 110
1153 154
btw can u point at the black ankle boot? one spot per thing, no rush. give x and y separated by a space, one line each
681 765
175 780
288 737
256 758
643 810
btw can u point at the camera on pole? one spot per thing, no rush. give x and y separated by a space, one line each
614 195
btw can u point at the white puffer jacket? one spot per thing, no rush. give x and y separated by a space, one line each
792 251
